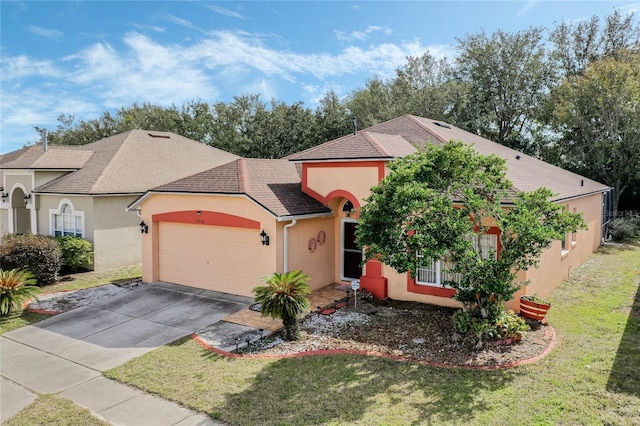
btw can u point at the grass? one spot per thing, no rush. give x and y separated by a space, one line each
74 282
50 410
592 377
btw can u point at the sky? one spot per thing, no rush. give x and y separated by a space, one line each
83 58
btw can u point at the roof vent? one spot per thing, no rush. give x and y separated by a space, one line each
517 157
444 125
159 136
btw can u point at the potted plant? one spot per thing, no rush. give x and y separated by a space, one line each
534 307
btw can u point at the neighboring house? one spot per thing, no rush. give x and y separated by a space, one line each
84 190
225 228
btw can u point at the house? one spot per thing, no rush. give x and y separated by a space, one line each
84 190
225 228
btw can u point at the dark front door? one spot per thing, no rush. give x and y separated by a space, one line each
351 253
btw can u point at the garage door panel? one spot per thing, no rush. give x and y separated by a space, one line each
211 257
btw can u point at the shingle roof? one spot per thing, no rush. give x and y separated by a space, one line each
56 157
130 162
398 138
274 184
364 144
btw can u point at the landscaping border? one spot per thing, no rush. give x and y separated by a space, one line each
544 353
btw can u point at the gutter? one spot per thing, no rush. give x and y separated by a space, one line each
286 244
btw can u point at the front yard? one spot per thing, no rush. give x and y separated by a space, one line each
591 377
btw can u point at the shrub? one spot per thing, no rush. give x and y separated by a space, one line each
507 325
40 254
16 287
76 251
625 228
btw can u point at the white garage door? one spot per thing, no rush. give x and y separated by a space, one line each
211 257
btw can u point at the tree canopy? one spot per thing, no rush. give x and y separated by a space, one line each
433 205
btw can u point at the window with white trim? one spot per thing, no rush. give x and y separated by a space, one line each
436 272
67 221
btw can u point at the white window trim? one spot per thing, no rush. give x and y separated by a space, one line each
58 211
438 268
342 249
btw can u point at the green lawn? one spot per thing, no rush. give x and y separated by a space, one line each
73 282
50 410
591 378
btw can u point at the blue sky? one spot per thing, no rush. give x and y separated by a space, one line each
85 57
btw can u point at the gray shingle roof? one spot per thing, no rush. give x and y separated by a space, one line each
398 137
130 162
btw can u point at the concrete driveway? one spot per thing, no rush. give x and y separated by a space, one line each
70 350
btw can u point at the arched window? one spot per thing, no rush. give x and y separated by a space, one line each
67 221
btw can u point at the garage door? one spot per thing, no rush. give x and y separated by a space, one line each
211 257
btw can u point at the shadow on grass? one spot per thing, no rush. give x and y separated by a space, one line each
348 388
19 319
625 373
614 247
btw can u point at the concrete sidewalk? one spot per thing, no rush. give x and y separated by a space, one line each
66 354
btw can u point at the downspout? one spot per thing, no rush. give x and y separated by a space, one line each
286 244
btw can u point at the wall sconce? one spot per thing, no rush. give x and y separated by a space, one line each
144 228
348 208
4 196
265 238
27 198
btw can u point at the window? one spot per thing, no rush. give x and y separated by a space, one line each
435 272
67 221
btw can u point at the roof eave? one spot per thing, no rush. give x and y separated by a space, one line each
342 159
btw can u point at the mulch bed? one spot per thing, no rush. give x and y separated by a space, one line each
404 330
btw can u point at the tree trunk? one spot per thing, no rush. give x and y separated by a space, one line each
291 328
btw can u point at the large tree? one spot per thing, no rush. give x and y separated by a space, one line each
598 115
577 44
435 203
507 74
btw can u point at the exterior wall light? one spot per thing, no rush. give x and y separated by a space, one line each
348 208
144 228
4 196
27 198
265 238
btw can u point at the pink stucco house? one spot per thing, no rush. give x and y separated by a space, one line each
226 227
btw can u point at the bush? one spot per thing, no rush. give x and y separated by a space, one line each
507 325
76 251
625 228
40 254
16 287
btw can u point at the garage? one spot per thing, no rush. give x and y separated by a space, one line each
218 258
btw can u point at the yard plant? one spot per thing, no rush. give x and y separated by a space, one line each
76 251
40 254
284 296
435 203
16 287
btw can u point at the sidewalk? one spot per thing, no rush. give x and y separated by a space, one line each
27 370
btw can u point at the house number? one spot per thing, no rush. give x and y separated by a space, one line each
199 221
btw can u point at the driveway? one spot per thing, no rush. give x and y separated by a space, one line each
70 350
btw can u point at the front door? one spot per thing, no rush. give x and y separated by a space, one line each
351 253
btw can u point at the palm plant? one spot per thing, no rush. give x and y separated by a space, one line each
284 297
16 287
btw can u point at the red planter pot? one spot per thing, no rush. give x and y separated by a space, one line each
533 310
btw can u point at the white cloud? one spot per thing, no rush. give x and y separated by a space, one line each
17 67
46 32
224 11
526 7
178 21
362 35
